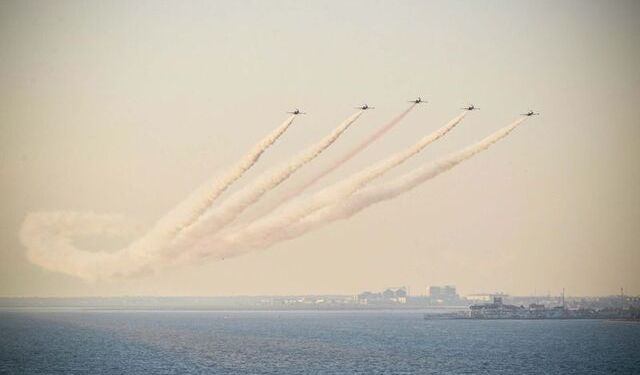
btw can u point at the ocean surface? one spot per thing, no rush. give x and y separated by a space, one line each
302 342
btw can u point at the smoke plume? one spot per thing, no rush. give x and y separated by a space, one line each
49 237
335 164
296 210
204 197
213 221
263 234
353 152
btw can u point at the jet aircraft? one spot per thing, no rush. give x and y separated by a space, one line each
297 112
530 113
418 101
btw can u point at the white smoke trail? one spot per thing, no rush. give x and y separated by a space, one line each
204 197
335 165
296 210
263 234
352 153
48 237
226 213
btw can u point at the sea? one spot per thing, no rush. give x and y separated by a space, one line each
308 342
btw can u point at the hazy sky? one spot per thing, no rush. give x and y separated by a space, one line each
127 106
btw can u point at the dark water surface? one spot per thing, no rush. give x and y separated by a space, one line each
123 342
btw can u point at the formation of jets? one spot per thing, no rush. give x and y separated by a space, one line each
418 100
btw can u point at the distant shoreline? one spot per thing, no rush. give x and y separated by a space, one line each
355 308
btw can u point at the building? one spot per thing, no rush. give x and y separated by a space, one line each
443 295
388 296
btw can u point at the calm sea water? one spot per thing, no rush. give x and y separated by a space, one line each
103 342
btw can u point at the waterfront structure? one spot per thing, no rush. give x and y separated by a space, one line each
388 296
443 295
500 310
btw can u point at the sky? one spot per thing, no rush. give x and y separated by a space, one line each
126 107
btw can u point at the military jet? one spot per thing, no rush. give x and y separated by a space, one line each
418 101
470 107
530 113
297 112
365 107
